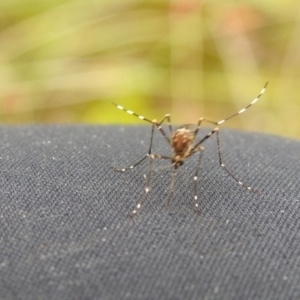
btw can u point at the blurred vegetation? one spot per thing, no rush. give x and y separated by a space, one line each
66 61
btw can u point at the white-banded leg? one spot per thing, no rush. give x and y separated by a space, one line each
138 162
171 188
196 198
249 188
161 130
146 191
154 124
196 146
148 183
198 125
157 124
241 110
216 130
132 166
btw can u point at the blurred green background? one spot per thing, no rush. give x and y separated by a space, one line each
66 61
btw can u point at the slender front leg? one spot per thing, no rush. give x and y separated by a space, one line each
148 183
171 188
196 199
158 125
229 172
216 130
147 155
195 148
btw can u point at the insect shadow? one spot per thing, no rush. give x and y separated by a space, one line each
183 145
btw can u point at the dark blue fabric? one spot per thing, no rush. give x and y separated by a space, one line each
65 231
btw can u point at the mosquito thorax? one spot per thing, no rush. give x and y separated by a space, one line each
181 141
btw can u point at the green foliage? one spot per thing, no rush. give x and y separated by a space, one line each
66 61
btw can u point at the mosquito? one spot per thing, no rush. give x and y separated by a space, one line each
183 145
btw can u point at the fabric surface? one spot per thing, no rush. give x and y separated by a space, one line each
65 231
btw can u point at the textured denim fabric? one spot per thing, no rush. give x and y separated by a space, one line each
65 231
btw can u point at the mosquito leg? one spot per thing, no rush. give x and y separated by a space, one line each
132 113
138 162
196 146
198 126
196 200
146 191
148 183
132 166
159 127
171 188
240 111
168 118
157 124
229 172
